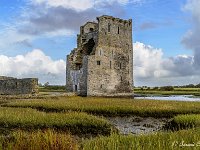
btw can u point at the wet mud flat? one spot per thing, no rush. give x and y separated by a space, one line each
137 125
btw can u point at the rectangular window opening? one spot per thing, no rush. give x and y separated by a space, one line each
110 64
109 27
112 53
98 62
118 30
120 65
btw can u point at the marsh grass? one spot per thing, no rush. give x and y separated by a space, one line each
157 141
38 140
111 106
184 122
76 123
52 89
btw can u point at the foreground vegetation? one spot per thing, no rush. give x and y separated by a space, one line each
38 140
35 129
184 122
30 119
158 141
111 106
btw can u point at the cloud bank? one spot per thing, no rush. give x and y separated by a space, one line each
152 68
191 39
34 64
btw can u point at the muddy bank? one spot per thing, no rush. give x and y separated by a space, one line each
137 125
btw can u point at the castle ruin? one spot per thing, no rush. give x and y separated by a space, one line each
13 86
102 63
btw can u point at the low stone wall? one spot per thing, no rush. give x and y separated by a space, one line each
12 86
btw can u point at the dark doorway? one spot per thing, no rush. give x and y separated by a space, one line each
76 88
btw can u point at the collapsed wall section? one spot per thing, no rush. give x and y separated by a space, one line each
76 80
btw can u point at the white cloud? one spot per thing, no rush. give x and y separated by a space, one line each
75 4
34 64
191 39
81 5
151 68
147 61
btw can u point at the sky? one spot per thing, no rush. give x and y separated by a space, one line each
36 36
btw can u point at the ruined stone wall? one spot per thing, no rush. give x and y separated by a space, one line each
76 80
102 63
12 86
114 52
69 82
6 78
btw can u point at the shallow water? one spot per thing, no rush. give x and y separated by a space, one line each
137 125
172 97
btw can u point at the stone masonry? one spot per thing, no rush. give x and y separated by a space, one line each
102 63
13 86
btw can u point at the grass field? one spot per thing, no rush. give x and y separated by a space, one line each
48 124
38 140
185 122
110 106
157 141
52 89
75 122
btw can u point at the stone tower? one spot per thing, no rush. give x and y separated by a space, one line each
102 63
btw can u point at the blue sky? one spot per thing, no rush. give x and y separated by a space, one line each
46 29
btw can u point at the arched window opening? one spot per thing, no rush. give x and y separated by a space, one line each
91 29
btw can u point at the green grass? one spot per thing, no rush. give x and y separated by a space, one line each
184 122
67 114
110 106
157 141
38 140
52 89
30 119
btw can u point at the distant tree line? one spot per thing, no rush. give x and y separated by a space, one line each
189 86
163 88
47 86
